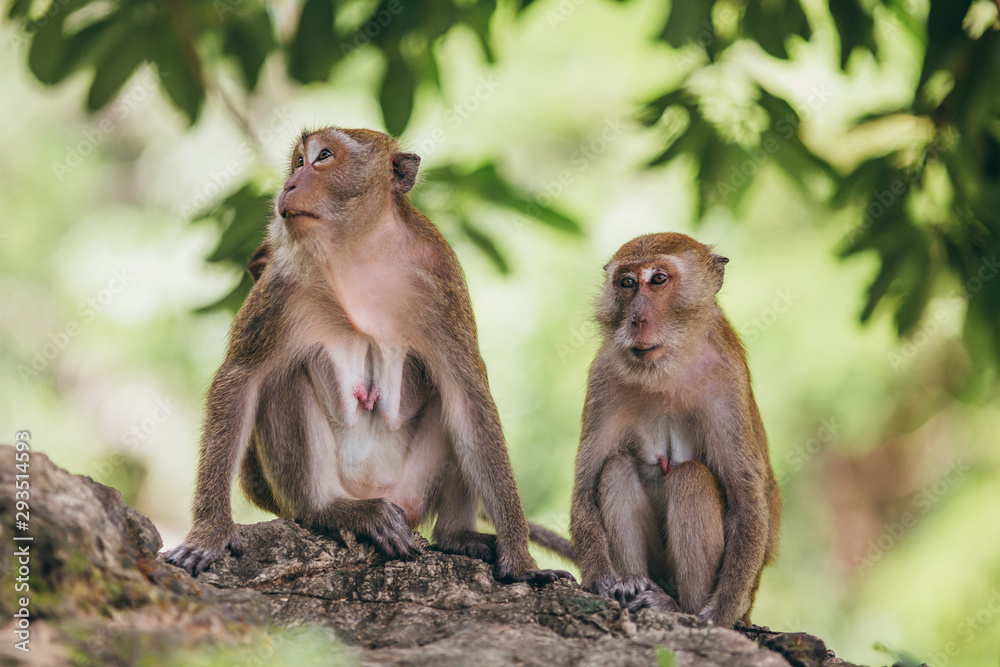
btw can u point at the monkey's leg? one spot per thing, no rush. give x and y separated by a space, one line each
630 523
232 401
695 535
473 424
455 529
253 482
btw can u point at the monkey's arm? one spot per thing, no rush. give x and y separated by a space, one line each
231 409
741 472
589 537
482 454
586 527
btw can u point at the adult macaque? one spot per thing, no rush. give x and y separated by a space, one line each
353 394
675 504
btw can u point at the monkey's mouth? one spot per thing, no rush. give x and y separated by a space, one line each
646 352
290 213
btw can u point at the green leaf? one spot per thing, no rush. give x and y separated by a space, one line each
314 49
916 293
477 16
180 75
233 300
249 39
771 22
46 55
396 95
687 19
855 27
247 213
116 67
487 245
944 35
19 9
487 183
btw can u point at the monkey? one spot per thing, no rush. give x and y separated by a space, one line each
353 394
675 504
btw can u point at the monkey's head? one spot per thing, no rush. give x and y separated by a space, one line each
339 179
659 291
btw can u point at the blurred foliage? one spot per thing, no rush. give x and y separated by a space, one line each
922 248
189 41
930 212
776 130
918 247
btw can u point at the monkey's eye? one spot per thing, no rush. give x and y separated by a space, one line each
299 162
659 278
325 153
628 282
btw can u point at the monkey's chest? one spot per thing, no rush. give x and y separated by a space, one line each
663 443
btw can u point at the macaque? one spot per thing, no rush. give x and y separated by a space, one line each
675 504
353 394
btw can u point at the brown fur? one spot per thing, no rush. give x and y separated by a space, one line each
353 395
671 380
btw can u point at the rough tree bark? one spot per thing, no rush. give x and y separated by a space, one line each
99 594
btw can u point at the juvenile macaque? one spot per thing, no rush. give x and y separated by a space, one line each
675 504
353 394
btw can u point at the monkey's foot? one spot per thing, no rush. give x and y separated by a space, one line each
469 543
653 598
195 559
389 528
628 587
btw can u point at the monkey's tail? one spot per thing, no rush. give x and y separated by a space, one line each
553 541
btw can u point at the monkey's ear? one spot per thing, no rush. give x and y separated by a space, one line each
258 261
719 269
404 171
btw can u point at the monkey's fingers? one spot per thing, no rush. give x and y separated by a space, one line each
541 577
390 531
471 543
192 559
630 586
653 598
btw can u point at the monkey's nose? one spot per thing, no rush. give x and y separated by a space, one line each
289 187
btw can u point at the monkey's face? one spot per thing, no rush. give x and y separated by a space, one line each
338 177
658 288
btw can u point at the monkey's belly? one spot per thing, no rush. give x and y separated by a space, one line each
370 457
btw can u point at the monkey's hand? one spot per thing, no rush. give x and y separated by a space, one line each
653 598
624 588
388 527
469 543
203 546
533 576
